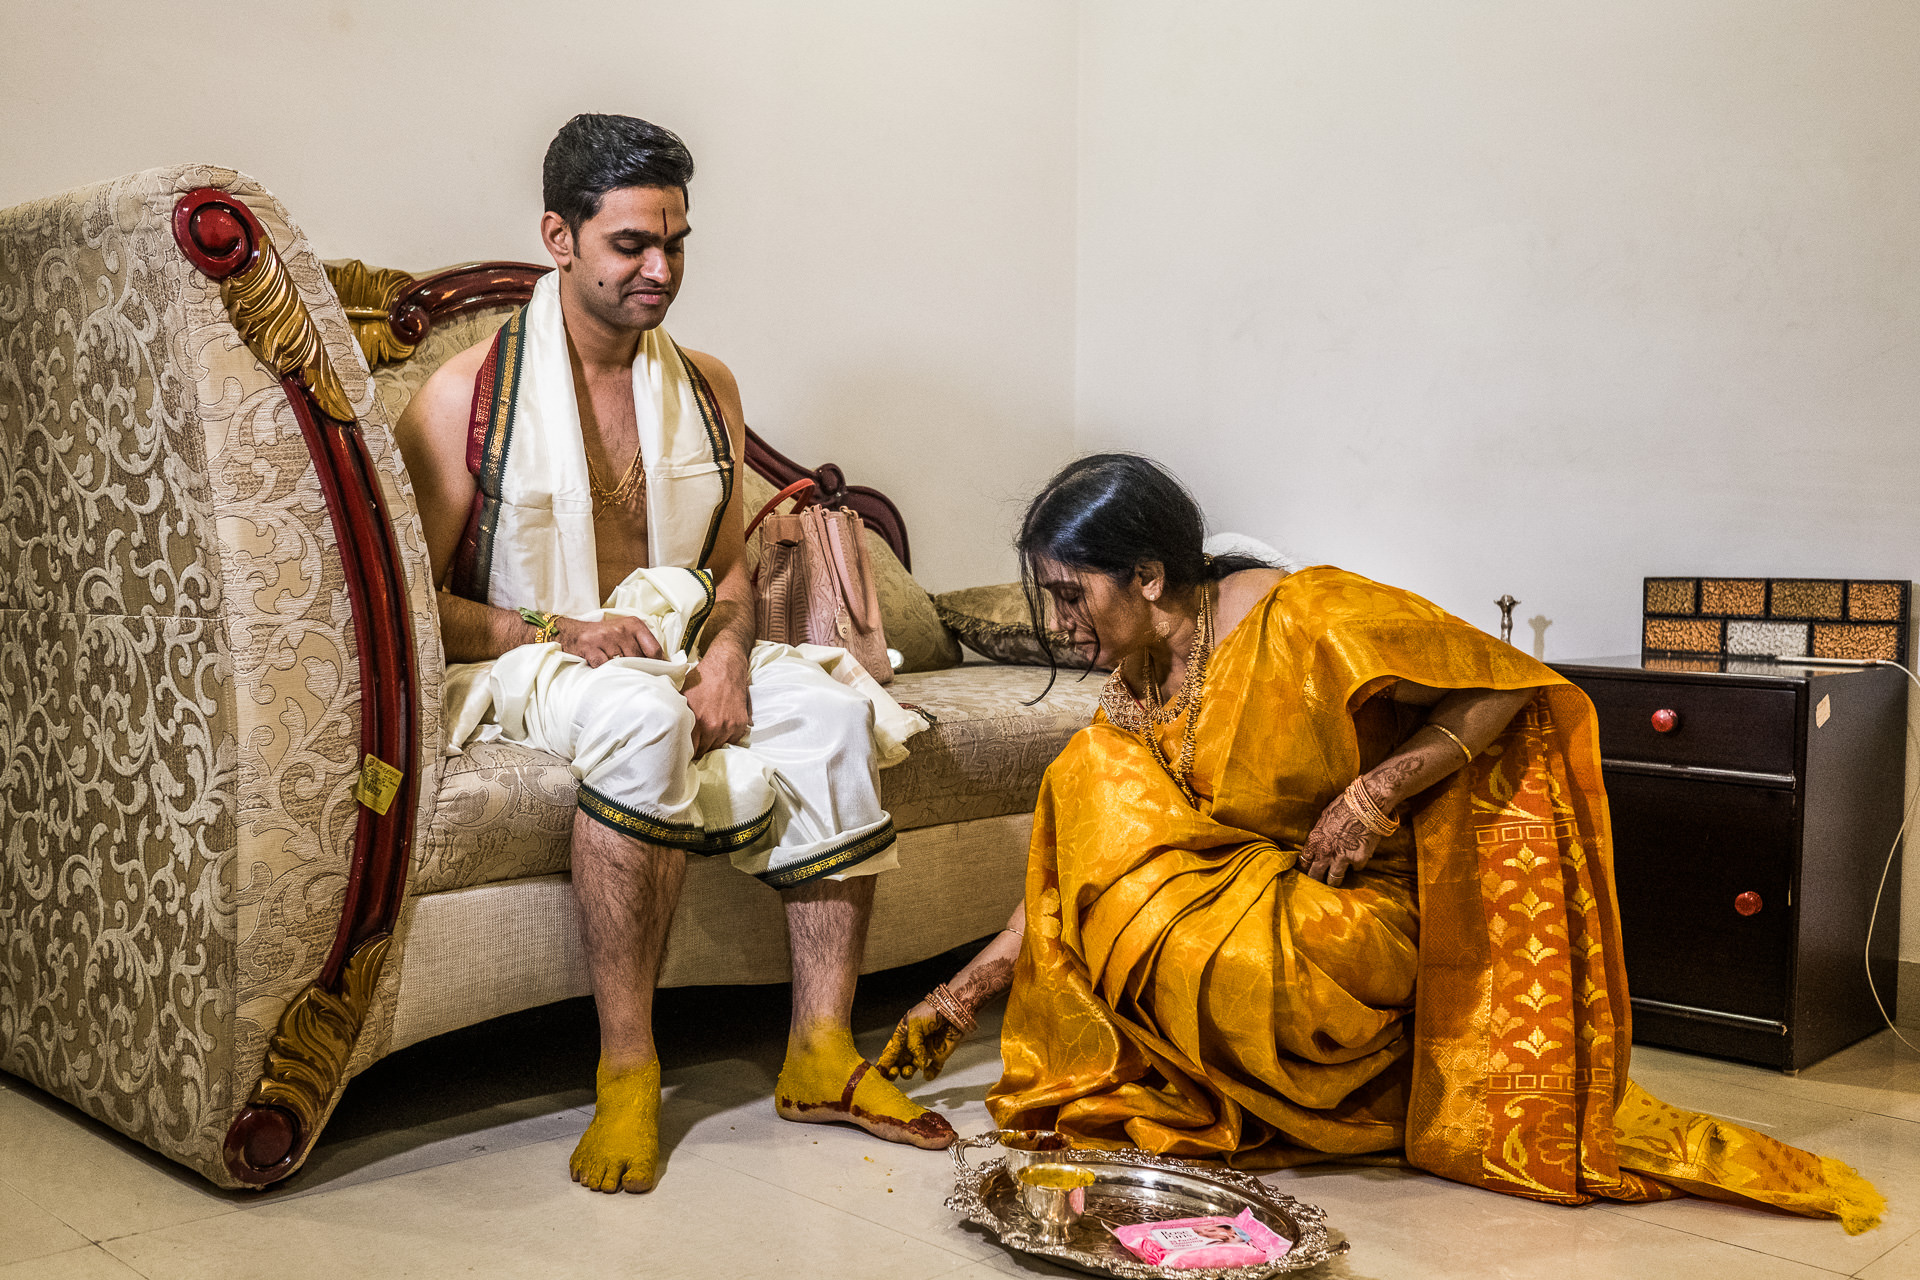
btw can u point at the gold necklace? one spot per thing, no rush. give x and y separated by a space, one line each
619 494
1127 713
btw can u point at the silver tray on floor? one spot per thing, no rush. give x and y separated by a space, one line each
1136 1186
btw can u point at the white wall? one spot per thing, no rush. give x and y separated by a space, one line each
1507 296
883 213
1512 296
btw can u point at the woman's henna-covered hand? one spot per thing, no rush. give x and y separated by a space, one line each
921 1042
924 1040
1339 841
1393 776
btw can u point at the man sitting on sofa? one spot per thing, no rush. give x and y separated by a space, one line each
549 463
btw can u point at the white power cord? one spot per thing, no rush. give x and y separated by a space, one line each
1906 820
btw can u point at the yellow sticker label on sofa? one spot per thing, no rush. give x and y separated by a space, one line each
379 783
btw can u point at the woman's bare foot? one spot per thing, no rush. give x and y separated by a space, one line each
620 1151
828 1081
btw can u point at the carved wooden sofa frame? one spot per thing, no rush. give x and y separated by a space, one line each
153 1035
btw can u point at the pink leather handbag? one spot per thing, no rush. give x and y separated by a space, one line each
814 583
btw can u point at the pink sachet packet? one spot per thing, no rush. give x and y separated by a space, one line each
1244 1241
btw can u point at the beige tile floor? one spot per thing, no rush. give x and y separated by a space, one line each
450 1160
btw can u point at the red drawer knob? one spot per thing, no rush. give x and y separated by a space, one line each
1665 720
1748 903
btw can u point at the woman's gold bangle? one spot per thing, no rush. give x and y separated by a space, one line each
1456 740
949 1007
1372 817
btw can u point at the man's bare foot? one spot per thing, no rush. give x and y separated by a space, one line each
620 1151
830 1082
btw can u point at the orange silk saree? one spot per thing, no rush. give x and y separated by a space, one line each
1185 989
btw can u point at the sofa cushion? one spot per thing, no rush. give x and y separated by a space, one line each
985 753
907 613
505 812
996 623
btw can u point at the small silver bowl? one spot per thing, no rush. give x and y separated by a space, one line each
1023 1147
1056 1196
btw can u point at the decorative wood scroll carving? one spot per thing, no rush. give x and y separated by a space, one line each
307 1055
413 310
223 238
472 286
306 1058
368 295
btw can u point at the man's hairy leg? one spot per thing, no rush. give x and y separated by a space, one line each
825 1079
627 890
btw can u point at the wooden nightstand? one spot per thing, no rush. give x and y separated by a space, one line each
1753 805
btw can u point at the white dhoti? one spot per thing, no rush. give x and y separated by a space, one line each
798 799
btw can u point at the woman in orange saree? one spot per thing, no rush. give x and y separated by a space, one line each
1231 948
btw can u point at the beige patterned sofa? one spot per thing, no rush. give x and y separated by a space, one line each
215 606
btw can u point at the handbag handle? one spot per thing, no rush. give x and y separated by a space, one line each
797 487
856 599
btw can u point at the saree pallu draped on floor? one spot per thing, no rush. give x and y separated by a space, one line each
1186 989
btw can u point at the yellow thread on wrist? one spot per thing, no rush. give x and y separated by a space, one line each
546 625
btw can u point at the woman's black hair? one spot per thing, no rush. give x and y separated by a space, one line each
595 154
1110 513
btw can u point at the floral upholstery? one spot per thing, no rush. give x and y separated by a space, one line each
505 812
177 666
985 753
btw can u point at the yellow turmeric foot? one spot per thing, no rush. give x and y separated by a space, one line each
830 1082
620 1151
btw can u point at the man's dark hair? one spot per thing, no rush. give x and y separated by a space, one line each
595 154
